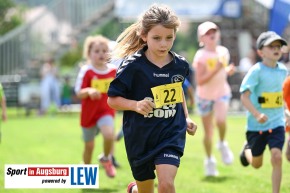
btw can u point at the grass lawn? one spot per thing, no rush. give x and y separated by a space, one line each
57 140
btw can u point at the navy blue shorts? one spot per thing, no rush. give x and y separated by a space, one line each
257 141
146 171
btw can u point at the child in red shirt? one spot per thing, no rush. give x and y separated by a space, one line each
91 87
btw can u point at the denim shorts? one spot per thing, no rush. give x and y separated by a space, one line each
205 106
257 141
146 171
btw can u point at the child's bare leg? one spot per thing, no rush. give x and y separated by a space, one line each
276 160
166 174
207 121
88 151
108 134
146 186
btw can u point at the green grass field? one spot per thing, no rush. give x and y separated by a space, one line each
57 140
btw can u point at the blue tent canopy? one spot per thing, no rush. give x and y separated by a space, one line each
280 16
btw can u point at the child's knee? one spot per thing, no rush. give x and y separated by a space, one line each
276 158
166 186
257 163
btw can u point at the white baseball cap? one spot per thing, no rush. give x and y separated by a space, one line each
205 27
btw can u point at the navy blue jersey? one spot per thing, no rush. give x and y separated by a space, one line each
164 127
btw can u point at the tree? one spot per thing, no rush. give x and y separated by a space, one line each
9 16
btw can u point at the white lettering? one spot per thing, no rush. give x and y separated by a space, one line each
51 171
166 111
161 75
170 155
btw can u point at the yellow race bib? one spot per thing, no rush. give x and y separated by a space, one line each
212 62
272 100
167 94
101 85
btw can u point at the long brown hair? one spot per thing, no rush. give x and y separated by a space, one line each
130 41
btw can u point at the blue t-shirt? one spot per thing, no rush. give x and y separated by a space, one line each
263 79
165 127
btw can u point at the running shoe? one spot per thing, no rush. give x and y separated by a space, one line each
130 187
109 167
210 167
243 158
115 162
227 154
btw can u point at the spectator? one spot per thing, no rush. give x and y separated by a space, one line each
66 94
50 87
248 61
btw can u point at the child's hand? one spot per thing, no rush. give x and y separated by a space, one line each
219 65
144 107
287 115
287 121
261 118
231 69
191 126
94 94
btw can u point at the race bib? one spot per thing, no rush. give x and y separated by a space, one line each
167 94
212 62
272 100
101 85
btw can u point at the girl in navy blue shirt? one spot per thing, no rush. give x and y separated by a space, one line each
148 88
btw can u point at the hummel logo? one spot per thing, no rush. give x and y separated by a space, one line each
161 75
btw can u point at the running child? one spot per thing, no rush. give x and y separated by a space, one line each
148 88
213 93
91 87
261 95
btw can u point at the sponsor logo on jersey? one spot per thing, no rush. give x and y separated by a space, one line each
177 78
161 75
166 111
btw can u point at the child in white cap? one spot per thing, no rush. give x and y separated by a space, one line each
213 93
